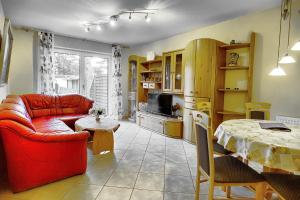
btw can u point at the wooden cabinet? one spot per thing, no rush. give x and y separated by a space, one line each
190 68
173 72
198 67
173 128
188 125
204 66
164 125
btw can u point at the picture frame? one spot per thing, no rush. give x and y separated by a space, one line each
5 52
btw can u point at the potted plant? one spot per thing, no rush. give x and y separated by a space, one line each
97 112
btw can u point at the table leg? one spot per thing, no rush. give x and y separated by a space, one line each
103 141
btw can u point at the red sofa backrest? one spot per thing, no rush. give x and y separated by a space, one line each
39 105
13 108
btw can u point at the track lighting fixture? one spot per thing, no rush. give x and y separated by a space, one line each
148 18
98 27
112 20
130 17
87 29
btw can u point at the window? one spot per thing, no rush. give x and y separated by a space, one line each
78 72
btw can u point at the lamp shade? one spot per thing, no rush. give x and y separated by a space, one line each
278 71
286 59
296 46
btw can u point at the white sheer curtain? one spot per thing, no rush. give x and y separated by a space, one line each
45 63
116 94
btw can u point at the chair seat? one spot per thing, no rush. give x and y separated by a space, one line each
287 185
232 170
220 149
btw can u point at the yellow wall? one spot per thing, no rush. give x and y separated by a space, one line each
281 92
21 68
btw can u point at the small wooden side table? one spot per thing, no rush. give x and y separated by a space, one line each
103 139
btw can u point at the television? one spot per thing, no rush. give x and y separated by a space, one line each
160 103
5 53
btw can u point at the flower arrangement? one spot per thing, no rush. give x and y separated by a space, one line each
97 112
175 108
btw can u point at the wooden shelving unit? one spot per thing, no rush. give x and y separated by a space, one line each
231 90
230 103
157 60
226 112
150 75
235 46
235 68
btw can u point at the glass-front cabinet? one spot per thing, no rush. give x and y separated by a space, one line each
173 72
167 73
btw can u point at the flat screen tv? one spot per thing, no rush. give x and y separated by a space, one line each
5 53
160 103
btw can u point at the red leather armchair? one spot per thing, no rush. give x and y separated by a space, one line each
39 147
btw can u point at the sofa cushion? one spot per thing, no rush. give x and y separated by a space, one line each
73 104
16 116
38 105
51 124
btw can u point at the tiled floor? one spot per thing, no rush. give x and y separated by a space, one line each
144 166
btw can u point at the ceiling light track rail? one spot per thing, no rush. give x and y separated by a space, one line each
113 19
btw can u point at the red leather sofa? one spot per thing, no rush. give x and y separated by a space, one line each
38 139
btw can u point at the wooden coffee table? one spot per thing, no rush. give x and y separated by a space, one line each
103 139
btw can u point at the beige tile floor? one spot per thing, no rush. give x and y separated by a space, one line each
143 166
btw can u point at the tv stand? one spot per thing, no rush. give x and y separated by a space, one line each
169 126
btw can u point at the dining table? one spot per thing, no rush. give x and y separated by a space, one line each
273 149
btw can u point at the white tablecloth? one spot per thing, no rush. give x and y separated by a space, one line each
274 149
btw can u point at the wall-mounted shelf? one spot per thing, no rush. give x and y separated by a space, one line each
147 72
151 82
152 62
235 68
227 112
235 46
240 75
231 90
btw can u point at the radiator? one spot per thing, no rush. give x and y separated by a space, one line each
288 120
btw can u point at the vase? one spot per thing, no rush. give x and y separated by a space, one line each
97 117
233 59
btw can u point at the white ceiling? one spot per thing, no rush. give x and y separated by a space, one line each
65 17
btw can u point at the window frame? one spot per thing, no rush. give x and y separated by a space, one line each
82 79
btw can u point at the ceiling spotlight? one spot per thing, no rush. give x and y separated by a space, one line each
113 20
148 18
130 17
98 27
87 29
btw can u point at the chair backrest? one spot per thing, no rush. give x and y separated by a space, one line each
204 142
258 110
204 106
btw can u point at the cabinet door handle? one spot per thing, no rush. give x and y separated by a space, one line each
191 91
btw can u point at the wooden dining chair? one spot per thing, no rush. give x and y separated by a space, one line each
224 170
287 186
258 110
206 108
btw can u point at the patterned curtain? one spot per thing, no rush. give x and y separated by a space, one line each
116 95
46 69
